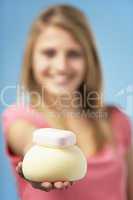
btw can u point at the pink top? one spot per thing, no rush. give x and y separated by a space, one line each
107 172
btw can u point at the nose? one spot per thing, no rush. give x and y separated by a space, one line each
61 63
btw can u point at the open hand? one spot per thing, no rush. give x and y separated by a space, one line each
45 186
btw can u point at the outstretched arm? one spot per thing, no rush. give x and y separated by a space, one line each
20 140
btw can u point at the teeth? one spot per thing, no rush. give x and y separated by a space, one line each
61 77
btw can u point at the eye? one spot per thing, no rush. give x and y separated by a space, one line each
50 53
74 54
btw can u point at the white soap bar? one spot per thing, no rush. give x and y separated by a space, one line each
54 137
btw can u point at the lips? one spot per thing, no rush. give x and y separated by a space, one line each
61 79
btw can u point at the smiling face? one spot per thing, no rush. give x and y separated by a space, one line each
58 61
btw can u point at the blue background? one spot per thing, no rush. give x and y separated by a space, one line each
111 23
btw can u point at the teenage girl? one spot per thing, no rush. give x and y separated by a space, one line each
62 74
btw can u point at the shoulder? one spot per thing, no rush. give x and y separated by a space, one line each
119 114
122 125
15 110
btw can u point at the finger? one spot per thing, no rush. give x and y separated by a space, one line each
35 185
66 184
18 167
46 185
20 171
58 185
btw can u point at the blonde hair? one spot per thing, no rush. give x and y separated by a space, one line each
72 20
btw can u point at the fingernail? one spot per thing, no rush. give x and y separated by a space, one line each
58 185
46 184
